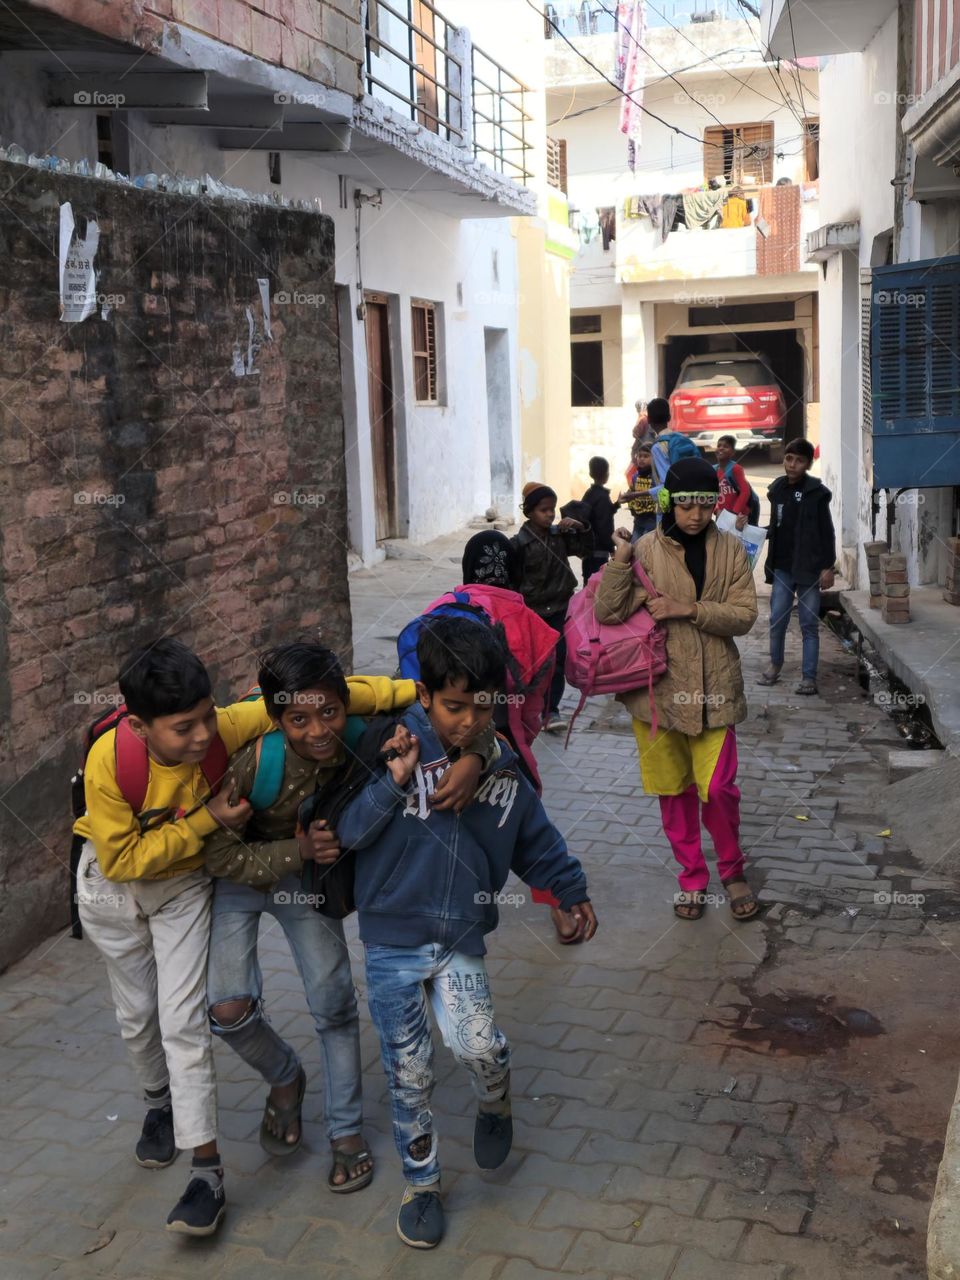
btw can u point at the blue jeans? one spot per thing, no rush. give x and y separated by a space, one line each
322 959
399 981
785 587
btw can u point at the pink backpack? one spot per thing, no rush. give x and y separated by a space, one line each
614 657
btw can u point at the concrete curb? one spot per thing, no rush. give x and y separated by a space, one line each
943 1229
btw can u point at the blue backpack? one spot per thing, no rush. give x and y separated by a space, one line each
409 667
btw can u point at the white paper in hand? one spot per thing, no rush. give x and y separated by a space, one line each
752 536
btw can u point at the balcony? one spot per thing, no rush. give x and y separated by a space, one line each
456 119
719 254
819 27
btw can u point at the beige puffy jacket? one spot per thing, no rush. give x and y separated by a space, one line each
702 687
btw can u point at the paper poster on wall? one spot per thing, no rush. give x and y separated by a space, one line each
78 276
264 287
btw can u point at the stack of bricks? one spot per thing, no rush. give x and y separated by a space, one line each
874 550
951 586
894 589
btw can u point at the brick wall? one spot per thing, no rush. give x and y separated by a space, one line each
321 39
139 478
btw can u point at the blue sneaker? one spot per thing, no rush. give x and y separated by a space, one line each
156 1147
199 1210
420 1220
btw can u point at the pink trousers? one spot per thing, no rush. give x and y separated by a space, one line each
720 813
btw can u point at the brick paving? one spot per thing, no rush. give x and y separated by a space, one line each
693 1101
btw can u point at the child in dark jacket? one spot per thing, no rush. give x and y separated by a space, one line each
546 580
602 509
427 890
801 550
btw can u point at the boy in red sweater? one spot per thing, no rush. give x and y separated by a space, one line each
734 485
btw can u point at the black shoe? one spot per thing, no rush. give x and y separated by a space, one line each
492 1140
156 1148
420 1220
199 1210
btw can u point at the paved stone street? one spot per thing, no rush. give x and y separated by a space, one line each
698 1101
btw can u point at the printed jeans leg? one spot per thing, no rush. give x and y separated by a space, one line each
681 825
808 611
233 976
398 1008
781 606
113 923
721 812
460 996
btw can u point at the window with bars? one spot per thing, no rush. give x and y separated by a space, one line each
557 163
741 153
426 363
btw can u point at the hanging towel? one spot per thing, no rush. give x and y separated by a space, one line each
608 226
631 19
701 207
778 252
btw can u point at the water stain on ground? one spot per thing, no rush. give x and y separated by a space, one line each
795 1023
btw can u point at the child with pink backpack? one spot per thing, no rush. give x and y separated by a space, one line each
695 583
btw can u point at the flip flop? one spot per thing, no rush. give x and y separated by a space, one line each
283 1118
695 899
744 900
348 1161
768 677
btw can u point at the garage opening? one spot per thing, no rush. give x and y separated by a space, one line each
780 346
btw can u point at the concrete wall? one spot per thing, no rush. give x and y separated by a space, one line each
145 486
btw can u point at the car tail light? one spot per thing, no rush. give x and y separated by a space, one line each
769 397
682 402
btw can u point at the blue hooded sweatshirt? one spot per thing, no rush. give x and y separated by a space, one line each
425 875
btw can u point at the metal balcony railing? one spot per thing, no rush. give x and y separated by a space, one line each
500 118
423 67
411 65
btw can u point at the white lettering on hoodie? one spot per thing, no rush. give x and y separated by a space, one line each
499 790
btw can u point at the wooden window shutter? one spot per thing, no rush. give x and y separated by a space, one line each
739 152
425 365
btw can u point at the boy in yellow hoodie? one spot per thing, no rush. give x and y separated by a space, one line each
144 896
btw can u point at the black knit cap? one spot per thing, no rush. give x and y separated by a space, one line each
691 475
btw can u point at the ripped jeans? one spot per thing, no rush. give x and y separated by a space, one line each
320 954
399 980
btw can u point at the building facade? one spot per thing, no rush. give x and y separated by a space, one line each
887 247
644 299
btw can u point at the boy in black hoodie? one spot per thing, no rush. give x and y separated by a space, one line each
602 509
427 889
801 550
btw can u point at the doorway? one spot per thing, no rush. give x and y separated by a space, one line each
499 418
383 437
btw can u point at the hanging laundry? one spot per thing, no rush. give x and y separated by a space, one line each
700 208
608 225
589 226
778 251
631 20
652 208
632 207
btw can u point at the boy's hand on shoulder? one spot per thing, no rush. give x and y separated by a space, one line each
401 753
230 810
458 785
318 843
586 918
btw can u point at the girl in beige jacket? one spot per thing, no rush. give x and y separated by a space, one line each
705 597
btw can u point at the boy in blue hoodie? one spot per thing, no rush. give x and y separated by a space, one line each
427 886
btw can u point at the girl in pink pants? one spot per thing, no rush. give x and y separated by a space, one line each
688 751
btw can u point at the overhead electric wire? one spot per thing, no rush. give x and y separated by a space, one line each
613 84
793 41
787 101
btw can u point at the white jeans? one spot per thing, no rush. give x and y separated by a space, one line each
154 936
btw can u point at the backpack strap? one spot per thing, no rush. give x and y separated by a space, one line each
645 582
133 765
356 728
268 779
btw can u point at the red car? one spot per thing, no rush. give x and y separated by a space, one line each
735 394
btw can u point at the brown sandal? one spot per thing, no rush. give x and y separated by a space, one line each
694 901
746 902
348 1161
